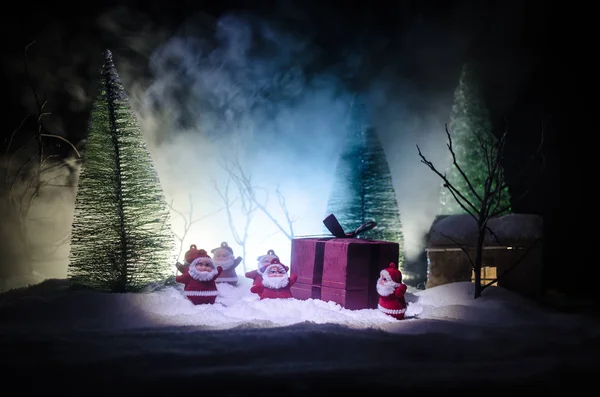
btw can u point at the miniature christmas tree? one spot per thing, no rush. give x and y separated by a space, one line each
363 189
474 145
121 238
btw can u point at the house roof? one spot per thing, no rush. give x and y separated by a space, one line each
506 230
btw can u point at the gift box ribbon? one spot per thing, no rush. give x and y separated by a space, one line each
333 225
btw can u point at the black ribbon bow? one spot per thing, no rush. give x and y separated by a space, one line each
333 225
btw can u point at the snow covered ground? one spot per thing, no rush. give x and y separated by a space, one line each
55 338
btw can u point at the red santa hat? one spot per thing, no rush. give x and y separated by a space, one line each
203 257
223 246
394 274
274 262
192 253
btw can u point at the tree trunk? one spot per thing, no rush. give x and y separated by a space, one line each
478 260
244 258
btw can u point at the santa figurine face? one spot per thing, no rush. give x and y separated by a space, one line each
221 255
385 284
384 278
275 276
276 271
203 266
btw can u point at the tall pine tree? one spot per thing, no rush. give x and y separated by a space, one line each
363 189
473 143
121 237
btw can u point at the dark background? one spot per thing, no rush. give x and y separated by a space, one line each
516 47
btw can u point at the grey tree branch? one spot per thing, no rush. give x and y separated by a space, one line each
26 176
458 167
235 170
463 249
488 206
473 210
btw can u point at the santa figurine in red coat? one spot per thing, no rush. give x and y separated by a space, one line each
275 281
190 255
223 256
199 280
391 292
263 261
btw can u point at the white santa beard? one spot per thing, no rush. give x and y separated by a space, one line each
226 264
276 282
202 276
386 289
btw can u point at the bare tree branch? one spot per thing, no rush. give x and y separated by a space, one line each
188 220
463 249
244 182
248 207
288 217
27 176
458 167
488 205
473 211
12 136
64 140
251 198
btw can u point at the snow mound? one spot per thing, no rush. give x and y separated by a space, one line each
55 306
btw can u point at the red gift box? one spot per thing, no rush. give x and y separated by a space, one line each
341 269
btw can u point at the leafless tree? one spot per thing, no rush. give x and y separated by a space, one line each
188 221
248 209
489 201
252 198
30 175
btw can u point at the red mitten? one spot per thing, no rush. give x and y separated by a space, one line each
184 278
257 289
182 268
293 279
400 291
252 274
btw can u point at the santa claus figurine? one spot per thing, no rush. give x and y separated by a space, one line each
391 291
263 261
199 280
190 255
275 281
223 257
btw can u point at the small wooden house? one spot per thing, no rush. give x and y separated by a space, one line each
512 249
